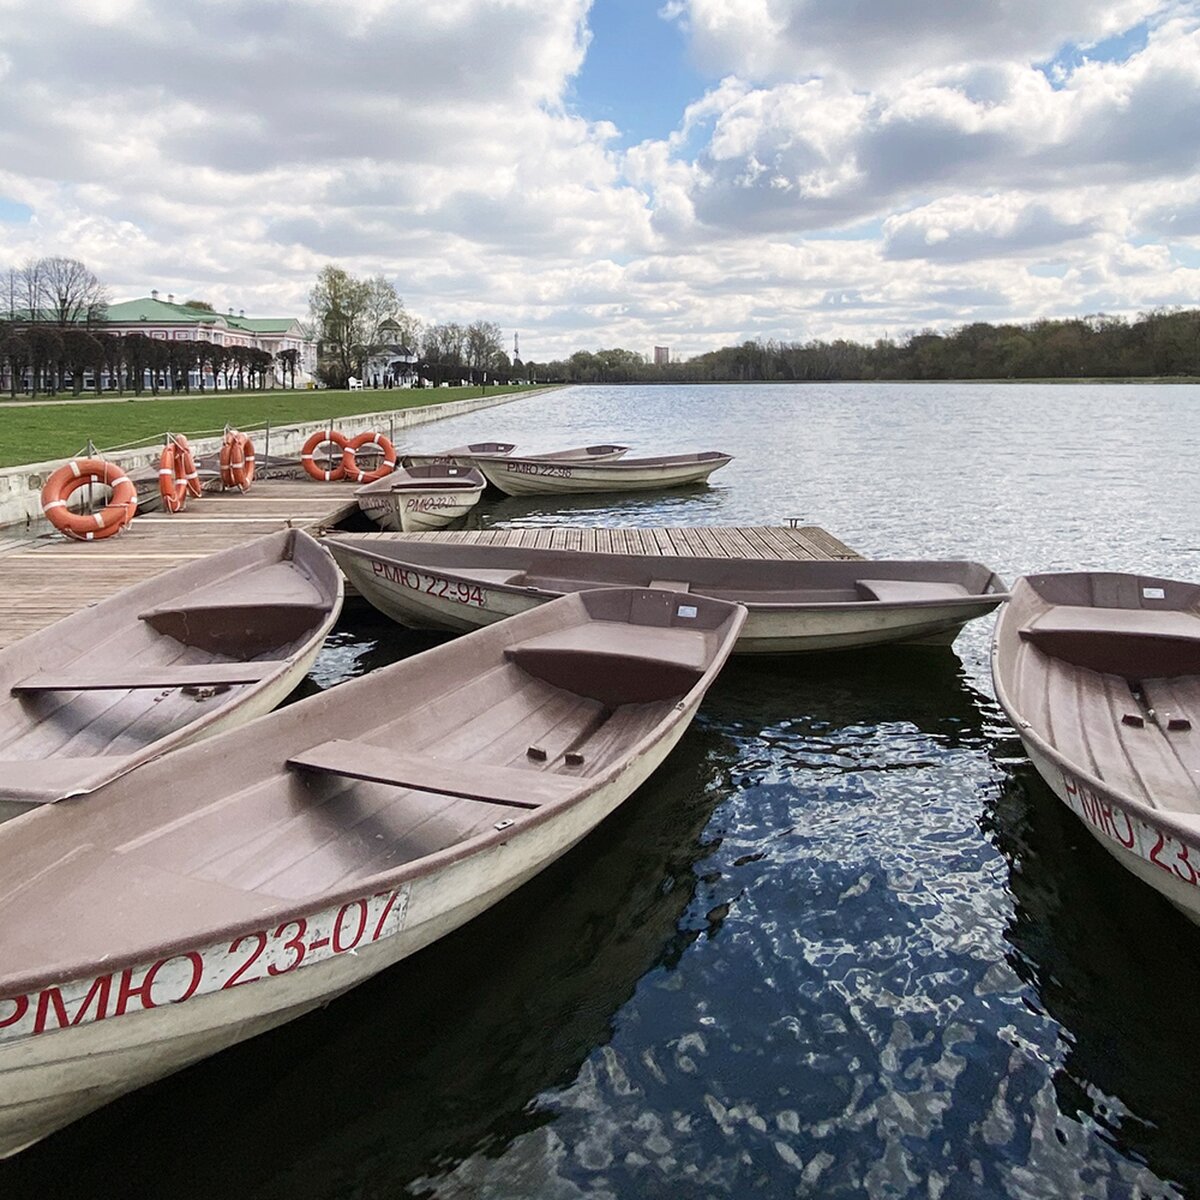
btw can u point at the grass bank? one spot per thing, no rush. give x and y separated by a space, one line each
38 433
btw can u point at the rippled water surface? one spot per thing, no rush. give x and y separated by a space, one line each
845 943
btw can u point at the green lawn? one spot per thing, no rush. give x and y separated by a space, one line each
53 431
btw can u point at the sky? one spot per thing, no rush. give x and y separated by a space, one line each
682 173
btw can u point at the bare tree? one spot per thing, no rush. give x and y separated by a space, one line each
70 293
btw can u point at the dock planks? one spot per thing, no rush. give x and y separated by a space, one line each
719 541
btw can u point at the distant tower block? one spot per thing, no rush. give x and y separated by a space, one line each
662 355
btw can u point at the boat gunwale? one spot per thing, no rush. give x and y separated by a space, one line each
395 877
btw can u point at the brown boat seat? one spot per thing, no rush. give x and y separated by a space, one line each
237 627
614 662
908 591
188 675
510 786
1133 642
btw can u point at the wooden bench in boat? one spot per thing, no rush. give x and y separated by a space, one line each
492 784
615 662
908 591
1134 642
113 678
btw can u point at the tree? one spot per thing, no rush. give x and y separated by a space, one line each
341 308
287 361
69 293
484 346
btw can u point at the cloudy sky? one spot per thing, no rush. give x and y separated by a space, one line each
628 173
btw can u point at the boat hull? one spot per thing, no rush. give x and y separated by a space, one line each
535 477
418 510
1099 673
1159 854
424 598
56 1077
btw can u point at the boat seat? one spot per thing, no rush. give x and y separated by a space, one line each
170 676
1136 643
908 591
616 663
234 626
488 782
478 574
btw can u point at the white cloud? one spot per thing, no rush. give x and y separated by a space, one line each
872 40
862 167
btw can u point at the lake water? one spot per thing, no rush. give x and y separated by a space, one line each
845 943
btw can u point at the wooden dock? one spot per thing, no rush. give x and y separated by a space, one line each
716 541
48 578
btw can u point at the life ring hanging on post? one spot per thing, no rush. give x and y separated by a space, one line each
350 457
324 437
172 478
89 527
237 461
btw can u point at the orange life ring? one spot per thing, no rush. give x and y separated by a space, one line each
324 437
237 461
172 479
194 486
89 527
350 457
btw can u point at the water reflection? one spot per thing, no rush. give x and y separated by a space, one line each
1116 967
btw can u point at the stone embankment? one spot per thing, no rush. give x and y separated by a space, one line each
21 487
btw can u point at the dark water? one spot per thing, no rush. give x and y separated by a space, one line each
844 944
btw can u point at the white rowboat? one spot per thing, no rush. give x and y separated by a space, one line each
1100 675
413 499
549 476
183 656
225 889
794 606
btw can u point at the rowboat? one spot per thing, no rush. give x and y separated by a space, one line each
411 499
462 456
232 886
794 606
467 455
183 656
1099 673
548 476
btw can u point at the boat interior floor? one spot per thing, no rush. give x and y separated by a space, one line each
352 808
1118 692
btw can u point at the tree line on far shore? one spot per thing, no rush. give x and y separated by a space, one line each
1161 343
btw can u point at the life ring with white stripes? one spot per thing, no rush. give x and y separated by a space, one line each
324 437
172 478
350 457
89 527
237 461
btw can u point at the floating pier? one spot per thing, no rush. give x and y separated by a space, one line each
48 578
716 541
